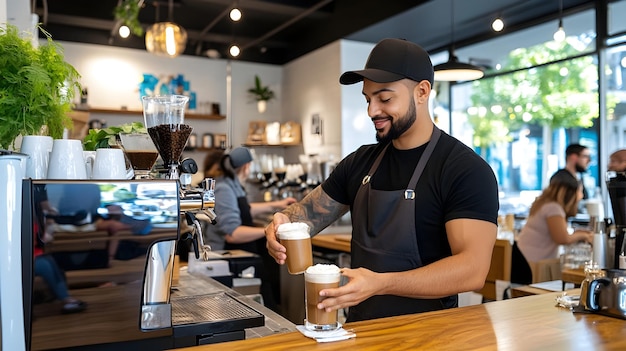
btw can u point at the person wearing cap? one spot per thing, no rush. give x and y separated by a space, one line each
423 205
235 228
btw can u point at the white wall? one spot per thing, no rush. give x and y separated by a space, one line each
311 86
3 11
306 86
357 127
244 108
16 12
112 76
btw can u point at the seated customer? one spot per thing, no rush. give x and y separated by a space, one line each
82 201
546 228
44 265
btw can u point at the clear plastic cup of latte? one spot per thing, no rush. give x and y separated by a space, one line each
317 278
296 239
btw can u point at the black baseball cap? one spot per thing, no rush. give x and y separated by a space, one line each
239 156
392 60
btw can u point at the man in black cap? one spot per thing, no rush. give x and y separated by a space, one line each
423 205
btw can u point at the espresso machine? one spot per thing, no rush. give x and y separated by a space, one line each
604 293
616 184
128 290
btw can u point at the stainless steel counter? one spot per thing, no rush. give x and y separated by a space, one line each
194 285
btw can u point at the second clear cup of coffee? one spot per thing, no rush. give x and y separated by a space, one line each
296 239
317 278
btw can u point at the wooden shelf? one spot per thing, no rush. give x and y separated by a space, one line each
189 115
201 149
270 145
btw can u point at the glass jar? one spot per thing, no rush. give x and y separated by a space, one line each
592 271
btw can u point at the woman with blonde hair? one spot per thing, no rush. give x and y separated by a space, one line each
546 227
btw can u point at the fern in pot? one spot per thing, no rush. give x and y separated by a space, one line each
36 88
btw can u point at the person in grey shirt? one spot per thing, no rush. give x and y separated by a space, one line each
235 228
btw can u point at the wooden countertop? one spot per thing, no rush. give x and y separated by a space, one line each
339 242
112 314
527 323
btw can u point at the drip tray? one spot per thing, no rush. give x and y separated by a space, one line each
212 314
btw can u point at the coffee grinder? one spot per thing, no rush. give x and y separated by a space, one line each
616 184
164 117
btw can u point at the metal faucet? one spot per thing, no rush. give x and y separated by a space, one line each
195 201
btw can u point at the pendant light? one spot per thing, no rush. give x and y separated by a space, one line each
166 38
235 13
498 24
559 35
453 70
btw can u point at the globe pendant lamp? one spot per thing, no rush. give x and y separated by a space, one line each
166 39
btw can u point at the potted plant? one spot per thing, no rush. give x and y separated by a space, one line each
107 137
262 94
36 88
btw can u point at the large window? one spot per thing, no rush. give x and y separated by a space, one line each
614 131
538 96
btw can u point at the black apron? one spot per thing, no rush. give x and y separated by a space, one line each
384 240
246 219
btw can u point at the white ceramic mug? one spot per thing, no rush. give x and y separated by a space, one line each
66 160
109 164
38 147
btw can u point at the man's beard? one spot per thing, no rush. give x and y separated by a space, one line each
400 126
580 169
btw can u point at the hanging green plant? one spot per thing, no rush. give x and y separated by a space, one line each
36 88
260 92
127 11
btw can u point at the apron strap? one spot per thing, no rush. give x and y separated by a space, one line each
374 167
409 193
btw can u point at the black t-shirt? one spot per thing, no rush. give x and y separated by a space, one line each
456 183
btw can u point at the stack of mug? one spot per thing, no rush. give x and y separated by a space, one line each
296 239
65 159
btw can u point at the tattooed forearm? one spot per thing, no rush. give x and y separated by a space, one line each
317 209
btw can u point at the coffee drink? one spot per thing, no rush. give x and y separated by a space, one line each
317 278
142 159
296 239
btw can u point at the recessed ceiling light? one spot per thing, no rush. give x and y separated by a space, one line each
497 24
124 31
235 14
234 51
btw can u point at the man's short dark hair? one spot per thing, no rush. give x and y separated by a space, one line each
574 149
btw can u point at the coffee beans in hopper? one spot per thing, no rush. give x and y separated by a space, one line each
170 140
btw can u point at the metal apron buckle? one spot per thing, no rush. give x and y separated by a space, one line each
365 180
409 194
